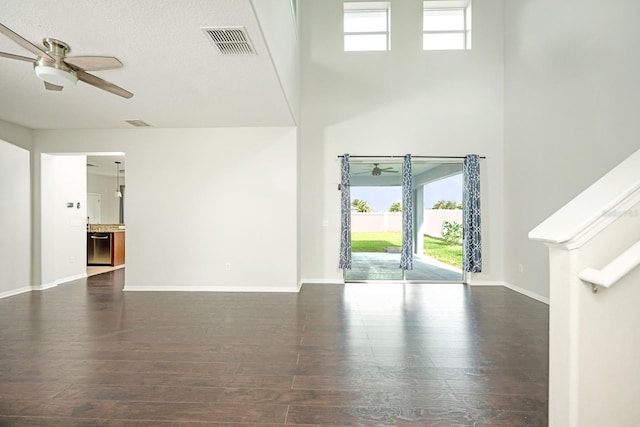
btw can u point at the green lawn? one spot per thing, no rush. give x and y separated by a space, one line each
378 242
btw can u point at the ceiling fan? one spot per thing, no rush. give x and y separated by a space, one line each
377 171
59 71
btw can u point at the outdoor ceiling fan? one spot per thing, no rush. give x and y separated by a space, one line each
377 171
59 71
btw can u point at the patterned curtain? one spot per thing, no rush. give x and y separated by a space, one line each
472 258
406 257
345 212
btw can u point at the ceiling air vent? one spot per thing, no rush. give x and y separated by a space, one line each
231 40
138 123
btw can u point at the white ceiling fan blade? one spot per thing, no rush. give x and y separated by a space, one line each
24 42
51 86
18 57
103 84
93 63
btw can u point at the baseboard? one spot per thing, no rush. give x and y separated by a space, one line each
59 282
321 282
44 286
527 293
71 278
13 292
485 283
172 288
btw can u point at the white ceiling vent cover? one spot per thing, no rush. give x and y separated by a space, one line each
231 40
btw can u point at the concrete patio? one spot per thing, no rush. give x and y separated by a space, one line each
384 266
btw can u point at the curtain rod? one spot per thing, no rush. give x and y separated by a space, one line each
402 157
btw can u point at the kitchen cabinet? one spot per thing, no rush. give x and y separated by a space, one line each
106 248
117 248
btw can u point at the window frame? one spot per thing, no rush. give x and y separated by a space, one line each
385 6
465 32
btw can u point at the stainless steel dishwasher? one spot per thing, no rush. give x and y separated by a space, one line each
98 248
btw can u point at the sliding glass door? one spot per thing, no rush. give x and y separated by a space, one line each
376 221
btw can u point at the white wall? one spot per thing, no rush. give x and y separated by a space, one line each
571 102
195 228
109 205
68 175
442 103
16 134
60 244
15 220
279 29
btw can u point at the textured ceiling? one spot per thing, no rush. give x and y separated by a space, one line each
175 72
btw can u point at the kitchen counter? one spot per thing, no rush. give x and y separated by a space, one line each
106 228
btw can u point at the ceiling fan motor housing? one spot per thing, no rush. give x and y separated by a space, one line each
56 71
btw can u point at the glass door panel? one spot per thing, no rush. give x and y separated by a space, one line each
376 222
437 222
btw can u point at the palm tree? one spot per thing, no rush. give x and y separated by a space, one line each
361 205
395 207
446 204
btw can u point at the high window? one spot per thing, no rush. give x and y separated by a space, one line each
366 26
446 25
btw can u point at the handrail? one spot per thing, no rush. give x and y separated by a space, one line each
615 270
593 209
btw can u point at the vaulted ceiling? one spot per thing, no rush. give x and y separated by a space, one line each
178 76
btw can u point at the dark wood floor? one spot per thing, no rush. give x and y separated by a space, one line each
87 354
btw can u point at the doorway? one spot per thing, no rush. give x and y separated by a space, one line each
94 211
376 222
106 181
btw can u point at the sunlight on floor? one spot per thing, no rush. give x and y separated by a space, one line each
93 270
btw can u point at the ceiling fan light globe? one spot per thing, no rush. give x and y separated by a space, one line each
56 76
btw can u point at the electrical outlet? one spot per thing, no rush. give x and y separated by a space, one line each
521 268
227 266
72 260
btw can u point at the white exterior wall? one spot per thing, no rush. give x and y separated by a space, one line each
434 219
376 221
446 103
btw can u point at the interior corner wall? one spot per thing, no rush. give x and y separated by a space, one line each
15 219
16 134
279 29
570 113
406 100
207 209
